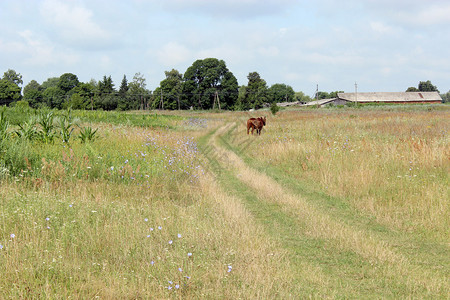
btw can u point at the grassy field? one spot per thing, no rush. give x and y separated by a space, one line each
329 203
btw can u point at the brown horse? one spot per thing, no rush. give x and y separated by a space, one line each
256 123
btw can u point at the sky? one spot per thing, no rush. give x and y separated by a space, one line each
381 45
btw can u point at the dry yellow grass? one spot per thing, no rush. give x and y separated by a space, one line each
392 264
393 165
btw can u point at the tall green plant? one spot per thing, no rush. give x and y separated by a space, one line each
27 130
87 134
47 132
4 125
65 125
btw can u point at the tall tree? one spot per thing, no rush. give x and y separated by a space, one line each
256 93
139 95
170 91
9 92
124 101
427 86
106 86
67 81
13 77
123 86
32 93
280 92
208 81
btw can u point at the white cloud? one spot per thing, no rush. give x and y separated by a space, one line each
380 27
42 53
74 23
172 54
231 8
429 15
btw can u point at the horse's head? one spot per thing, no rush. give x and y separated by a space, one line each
263 120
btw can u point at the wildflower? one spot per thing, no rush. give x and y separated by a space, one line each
126 161
1 246
48 227
112 168
12 235
169 287
229 269
179 235
47 219
159 227
180 269
170 242
177 286
152 262
145 220
70 205
189 254
148 235
170 282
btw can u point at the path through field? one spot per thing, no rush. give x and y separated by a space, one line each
331 252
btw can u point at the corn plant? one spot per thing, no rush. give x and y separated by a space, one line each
87 134
27 130
47 132
4 125
65 125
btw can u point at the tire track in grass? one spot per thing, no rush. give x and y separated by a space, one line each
419 250
356 262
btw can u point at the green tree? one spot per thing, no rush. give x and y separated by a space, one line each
53 97
81 96
139 95
170 91
106 99
9 92
280 92
50 82
32 93
106 86
301 97
321 95
427 86
239 105
124 100
335 94
446 97
412 89
13 76
67 82
256 92
207 81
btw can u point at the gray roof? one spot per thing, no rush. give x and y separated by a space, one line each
327 101
391 97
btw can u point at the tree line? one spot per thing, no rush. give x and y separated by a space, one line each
206 84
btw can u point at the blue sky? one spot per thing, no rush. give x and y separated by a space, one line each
382 45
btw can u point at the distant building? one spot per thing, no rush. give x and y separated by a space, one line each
401 97
331 101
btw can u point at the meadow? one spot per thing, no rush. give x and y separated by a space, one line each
326 203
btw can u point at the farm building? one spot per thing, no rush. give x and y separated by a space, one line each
331 101
401 97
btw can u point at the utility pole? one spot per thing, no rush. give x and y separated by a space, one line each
216 98
317 92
